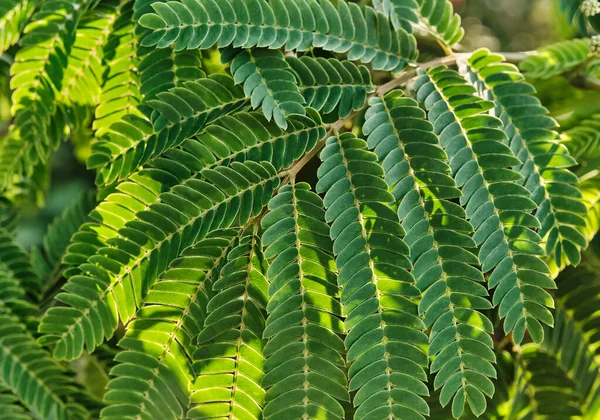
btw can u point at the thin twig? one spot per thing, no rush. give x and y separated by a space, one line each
406 76
380 91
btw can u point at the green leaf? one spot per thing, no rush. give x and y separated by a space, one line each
304 309
545 161
297 24
447 281
268 81
117 280
504 249
555 59
384 333
154 371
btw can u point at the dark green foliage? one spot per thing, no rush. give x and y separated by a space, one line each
497 207
294 218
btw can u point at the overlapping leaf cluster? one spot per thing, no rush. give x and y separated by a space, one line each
227 285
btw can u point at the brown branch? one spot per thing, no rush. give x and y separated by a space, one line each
293 171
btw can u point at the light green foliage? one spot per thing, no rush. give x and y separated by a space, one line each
537 396
47 259
224 194
80 89
583 140
120 89
574 340
39 383
154 372
180 113
38 73
229 360
14 15
555 59
294 219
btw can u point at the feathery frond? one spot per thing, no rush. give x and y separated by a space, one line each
205 278
26 369
583 141
384 333
13 259
268 81
153 374
555 59
364 35
574 340
180 114
545 162
497 207
304 370
117 279
48 258
544 390
38 73
441 249
435 17
332 86
120 94
14 15
10 406
229 360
